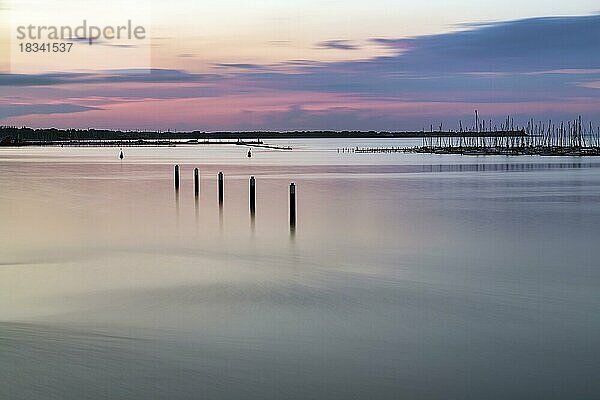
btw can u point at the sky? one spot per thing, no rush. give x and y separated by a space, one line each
305 65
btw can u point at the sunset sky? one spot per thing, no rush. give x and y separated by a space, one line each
273 65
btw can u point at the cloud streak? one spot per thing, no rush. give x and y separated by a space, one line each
14 110
108 77
337 44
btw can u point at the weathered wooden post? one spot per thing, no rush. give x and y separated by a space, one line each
196 182
293 205
252 195
220 188
177 177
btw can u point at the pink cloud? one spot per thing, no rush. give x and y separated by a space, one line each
249 111
590 85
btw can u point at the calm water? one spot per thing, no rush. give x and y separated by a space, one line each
408 276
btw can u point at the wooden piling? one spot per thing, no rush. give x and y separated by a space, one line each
293 205
176 177
196 182
220 188
252 195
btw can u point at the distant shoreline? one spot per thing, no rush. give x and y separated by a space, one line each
49 137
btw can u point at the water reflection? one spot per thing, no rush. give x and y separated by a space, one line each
197 209
221 216
177 206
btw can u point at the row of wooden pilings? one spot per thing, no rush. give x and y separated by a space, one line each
221 192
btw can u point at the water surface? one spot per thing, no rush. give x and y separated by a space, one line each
408 276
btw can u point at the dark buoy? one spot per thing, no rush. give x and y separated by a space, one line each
121 155
249 153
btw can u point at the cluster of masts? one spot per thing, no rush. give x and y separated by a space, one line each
537 137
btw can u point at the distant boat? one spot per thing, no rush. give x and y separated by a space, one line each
121 155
